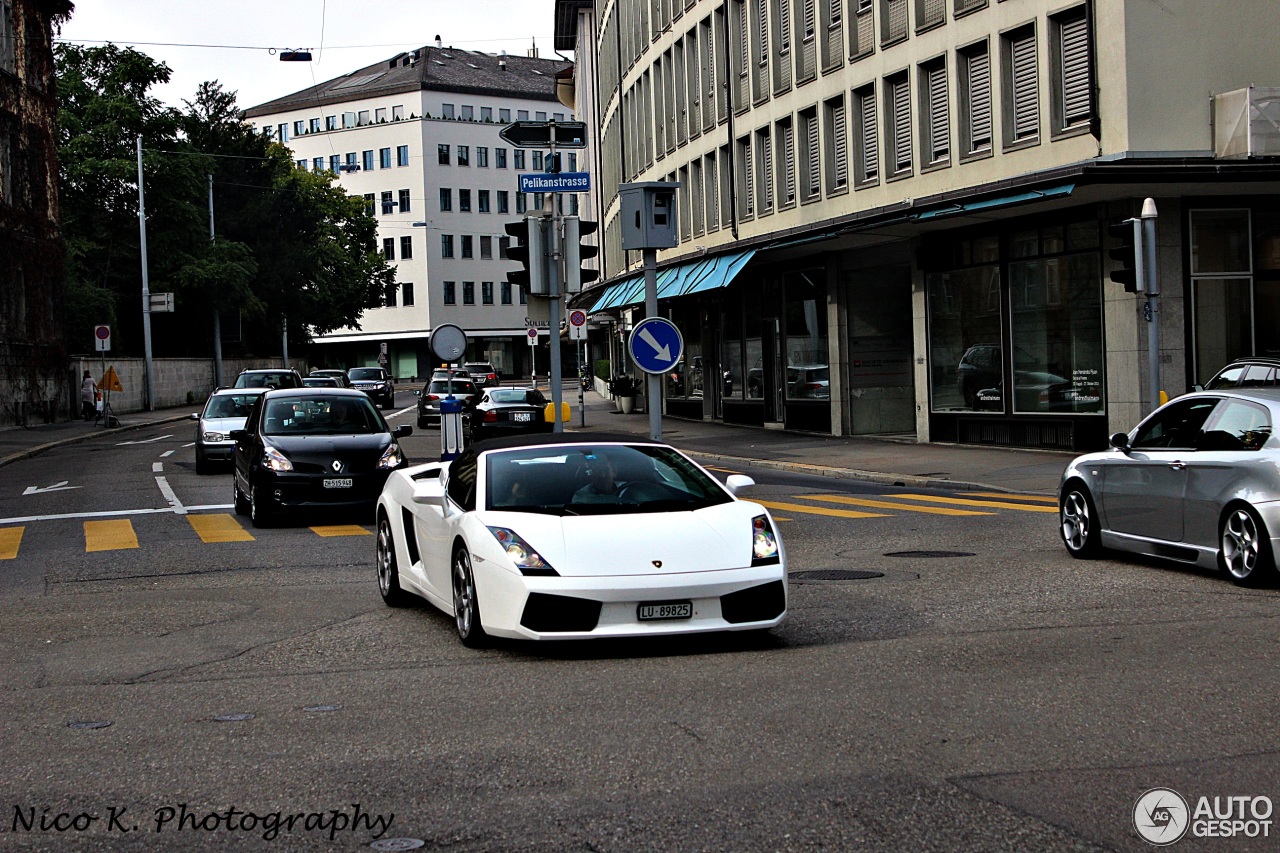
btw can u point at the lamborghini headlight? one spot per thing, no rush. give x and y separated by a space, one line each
527 560
764 542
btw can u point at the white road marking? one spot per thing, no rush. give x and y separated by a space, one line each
412 408
167 491
166 454
145 440
26 518
192 444
157 467
60 486
209 507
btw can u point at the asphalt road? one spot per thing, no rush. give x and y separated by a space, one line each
1009 699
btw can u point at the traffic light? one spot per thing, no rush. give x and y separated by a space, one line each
1128 253
575 252
531 251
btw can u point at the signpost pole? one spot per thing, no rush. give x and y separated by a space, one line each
653 382
148 404
582 400
555 279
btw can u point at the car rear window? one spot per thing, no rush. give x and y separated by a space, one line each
366 373
283 379
460 386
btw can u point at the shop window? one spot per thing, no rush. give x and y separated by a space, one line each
808 375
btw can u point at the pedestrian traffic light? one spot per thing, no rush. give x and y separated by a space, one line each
1128 253
531 251
575 252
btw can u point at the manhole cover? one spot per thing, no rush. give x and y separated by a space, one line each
925 555
398 844
834 575
88 724
233 718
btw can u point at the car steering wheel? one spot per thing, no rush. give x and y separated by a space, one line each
641 492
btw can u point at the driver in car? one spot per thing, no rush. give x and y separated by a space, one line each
603 487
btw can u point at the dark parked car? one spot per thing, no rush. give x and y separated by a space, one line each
338 376
320 382
376 382
484 374
436 390
1256 372
509 411
269 378
312 447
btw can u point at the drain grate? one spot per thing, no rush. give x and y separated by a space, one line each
834 575
926 555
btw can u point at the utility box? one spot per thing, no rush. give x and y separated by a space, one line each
649 215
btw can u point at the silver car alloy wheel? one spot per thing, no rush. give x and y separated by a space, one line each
1240 548
1075 520
464 593
384 556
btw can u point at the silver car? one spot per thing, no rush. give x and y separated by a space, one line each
1198 482
225 410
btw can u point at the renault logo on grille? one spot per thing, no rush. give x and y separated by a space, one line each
336 466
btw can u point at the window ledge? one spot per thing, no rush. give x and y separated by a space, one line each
1021 144
901 176
838 191
984 154
867 184
884 45
936 167
1070 132
966 12
924 28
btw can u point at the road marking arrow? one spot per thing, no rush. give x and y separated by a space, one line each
663 351
56 487
144 441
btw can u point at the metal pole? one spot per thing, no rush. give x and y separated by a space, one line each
582 400
284 340
1151 284
653 382
148 403
555 279
217 314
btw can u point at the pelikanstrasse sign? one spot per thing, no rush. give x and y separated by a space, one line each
561 182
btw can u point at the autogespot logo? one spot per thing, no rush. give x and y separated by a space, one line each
1161 816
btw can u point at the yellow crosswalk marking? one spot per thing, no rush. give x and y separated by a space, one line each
934 510
218 527
341 530
820 510
963 502
721 470
114 535
10 539
1037 498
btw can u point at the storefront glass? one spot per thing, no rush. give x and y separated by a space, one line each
808 374
731 349
964 339
753 329
684 381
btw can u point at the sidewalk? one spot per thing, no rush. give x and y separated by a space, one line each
888 462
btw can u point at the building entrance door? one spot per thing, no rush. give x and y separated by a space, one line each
772 371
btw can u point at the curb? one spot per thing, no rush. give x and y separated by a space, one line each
76 439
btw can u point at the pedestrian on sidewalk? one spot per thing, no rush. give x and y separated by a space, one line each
88 397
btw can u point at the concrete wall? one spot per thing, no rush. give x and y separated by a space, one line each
177 381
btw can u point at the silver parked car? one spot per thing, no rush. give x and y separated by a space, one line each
1198 481
225 410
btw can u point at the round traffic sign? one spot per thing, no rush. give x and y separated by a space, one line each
532 333
577 318
102 332
448 342
655 345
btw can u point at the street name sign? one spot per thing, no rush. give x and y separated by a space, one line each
655 345
557 182
543 134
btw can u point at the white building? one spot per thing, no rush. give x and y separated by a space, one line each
417 136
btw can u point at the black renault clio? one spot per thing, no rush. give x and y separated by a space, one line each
312 447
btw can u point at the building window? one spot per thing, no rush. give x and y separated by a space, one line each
935 115
504 243
482 201
282 131
486 292
313 125
362 118
388 248
1021 84
746 179
335 160
464 155
404 201
299 128
764 172
500 158
450 293
468 112
402 155
486 113
442 154
467 251
351 161
384 158
893 21
446 198
389 296
397 113
317 164
537 161
518 156
446 110
867 150
786 163
486 248
524 296
464 201
348 120
539 115
380 115
521 203
1073 86
811 156
962 6
837 149
482 157
504 201
366 158
406 248
975 100
388 205
505 289
369 199
406 294
330 122
930 13
897 107
446 245
468 293
504 115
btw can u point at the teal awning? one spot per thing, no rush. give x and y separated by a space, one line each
999 201
680 280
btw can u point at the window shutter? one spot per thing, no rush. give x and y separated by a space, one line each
933 11
1076 95
766 172
870 137
763 10
1026 100
809 17
897 19
979 101
939 123
901 125
815 175
784 25
788 155
742 36
749 171
840 145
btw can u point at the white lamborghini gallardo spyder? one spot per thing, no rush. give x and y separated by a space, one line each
569 536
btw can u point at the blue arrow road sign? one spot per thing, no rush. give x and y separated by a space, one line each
555 182
655 345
